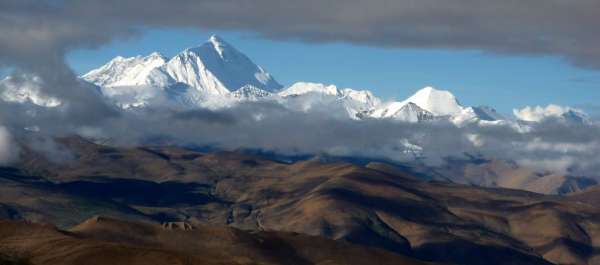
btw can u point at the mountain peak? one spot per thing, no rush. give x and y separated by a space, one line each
155 55
439 102
429 92
428 89
218 44
411 112
121 71
213 68
301 88
216 39
216 67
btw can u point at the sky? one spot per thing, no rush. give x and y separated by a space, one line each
503 81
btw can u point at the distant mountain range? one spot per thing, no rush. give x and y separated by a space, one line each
216 75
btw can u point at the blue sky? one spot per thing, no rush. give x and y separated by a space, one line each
476 78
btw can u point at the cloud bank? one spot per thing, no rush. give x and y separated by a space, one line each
539 113
551 144
542 27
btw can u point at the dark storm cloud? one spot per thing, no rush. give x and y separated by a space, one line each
543 27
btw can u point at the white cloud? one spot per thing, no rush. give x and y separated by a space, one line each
539 113
24 89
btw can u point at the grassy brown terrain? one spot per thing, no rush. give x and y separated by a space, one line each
589 196
505 174
376 205
103 241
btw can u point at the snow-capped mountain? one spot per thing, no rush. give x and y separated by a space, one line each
429 101
120 71
216 68
216 75
438 102
409 112
482 115
203 76
303 88
250 93
431 104
310 94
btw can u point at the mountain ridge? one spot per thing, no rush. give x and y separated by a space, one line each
376 205
216 75
200 68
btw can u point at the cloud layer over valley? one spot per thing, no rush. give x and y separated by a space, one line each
551 145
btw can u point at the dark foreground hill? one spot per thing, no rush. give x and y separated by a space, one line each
106 241
377 205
